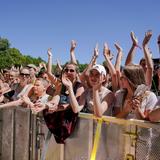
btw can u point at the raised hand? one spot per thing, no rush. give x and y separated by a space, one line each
106 52
49 52
96 51
118 47
134 39
42 64
73 45
59 65
147 37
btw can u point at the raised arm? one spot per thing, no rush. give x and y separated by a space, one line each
93 60
49 66
76 107
131 53
84 75
147 55
52 77
59 65
72 54
107 55
118 62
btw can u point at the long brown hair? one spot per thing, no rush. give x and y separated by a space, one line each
135 75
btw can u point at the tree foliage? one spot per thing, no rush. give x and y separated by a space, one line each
12 56
4 44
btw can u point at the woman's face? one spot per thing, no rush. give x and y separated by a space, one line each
124 81
95 77
70 72
38 88
24 77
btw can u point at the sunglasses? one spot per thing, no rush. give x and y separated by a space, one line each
24 74
69 70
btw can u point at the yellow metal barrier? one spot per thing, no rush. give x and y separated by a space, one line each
140 123
96 140
109 119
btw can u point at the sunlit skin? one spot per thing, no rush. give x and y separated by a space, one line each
70 72
38 88
24 77
124 81
95 78
32 71
6 77
144 65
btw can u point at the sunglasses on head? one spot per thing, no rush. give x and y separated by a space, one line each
69 70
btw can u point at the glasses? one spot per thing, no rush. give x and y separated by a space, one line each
69 70
24 74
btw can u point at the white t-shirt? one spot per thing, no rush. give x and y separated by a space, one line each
148 102
89 99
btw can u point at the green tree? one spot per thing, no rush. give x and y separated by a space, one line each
12 56
4 44
82 67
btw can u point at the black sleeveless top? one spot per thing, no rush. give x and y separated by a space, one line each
62 123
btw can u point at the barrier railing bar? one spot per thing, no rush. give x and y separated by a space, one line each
109 119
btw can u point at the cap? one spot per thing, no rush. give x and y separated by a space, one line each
99 68
32 66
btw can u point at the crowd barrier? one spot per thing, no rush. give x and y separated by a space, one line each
108 138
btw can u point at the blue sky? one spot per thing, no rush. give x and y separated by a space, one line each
32 26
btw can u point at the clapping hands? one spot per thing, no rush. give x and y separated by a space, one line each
49 52
135 40
73 45
106 52
147 37
66 81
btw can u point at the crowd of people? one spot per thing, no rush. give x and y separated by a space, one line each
125 92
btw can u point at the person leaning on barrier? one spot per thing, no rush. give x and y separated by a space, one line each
37 95
98 98
18 90
154 116
60 113
4 88
135 101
